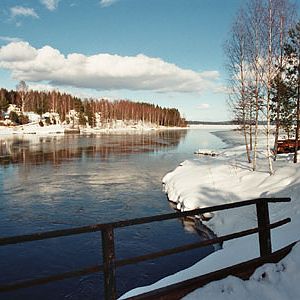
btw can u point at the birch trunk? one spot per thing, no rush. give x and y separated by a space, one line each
269 82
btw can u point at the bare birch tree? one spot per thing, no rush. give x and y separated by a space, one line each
264 30
278 16
22 89
254 55
235 50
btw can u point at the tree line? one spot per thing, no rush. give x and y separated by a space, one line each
62 103
263 65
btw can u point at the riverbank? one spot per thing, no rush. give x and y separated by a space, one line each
35 128
206 181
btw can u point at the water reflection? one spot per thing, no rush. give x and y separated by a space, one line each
50 183
34 150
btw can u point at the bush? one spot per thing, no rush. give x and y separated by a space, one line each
48 121
23 119
13 116
82 119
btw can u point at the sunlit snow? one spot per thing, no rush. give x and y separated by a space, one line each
206 181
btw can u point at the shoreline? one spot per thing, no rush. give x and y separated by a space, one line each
202 230
32 129
18 130
208 181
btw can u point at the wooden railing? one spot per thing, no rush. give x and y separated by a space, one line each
109 259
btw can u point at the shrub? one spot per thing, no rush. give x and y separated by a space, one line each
13 116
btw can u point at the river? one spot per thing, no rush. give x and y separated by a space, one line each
57 182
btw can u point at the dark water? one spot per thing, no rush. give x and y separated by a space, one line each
50 183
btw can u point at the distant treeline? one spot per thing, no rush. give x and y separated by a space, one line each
61 103
233 122
212 123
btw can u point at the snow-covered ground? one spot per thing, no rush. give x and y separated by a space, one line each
32 128
127 129
206 181
35 128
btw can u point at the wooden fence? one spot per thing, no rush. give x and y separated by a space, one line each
110 263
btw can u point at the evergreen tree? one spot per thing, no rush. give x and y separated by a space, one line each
292 51
3 105
282 107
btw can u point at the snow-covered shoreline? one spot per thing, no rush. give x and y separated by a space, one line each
60 129
207 181
32 128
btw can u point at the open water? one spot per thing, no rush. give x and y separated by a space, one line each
58 182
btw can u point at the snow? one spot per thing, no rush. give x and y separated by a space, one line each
202 151
6 130
117 126
121 126
270 282
207 181
32 128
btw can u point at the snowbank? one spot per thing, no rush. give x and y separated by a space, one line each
35 128
32 128
270 282
207 181
212 127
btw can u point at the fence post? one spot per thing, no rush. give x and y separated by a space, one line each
264 233
108 249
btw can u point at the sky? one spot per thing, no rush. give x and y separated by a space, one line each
166 52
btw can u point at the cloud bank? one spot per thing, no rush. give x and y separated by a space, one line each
18 11
101 71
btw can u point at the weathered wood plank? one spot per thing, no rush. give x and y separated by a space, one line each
108 250
99 227
205 243
110 262
264 232
123 262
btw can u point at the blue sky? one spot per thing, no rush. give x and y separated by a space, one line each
167 52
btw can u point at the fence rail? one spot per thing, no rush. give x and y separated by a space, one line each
108 248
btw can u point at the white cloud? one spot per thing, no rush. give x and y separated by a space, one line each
41 87
204 106
106 3
17 11
101 71
50 4
221 89
9 39
211 74
17 52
